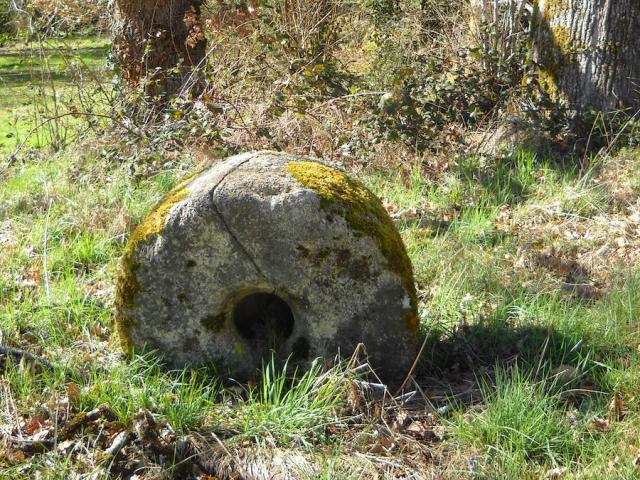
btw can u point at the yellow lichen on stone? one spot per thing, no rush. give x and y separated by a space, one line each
154 223
365 214
127 286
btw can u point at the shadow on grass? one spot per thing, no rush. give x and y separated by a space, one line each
512 179
472 354
30 79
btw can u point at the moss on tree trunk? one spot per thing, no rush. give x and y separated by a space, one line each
588 52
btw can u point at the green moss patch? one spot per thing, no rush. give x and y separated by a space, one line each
214 323
154 223
127 286
364 214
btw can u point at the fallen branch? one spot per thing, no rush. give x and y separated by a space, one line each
82 420
18 355
31 446
118 443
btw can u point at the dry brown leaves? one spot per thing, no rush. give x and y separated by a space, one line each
576 251
385 436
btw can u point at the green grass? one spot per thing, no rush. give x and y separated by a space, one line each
510 327
41 81
183 398
526 427
481 307
284 410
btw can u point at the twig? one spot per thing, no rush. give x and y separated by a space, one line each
235 458
18 355
44 255
71 114
31 445
381 460
118 444
413 367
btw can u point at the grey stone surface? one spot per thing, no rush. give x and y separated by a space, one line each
247 227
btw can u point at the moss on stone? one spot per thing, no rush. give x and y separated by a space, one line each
127 286
365 214
214 323
154 223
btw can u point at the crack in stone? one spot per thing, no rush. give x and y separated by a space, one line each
238 242
224 221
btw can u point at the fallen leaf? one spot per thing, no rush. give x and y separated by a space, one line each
556 472
418 430
66 447
13 457
389 207
36 423
401 421
58 407
565 374
599 424
406 214
73 392
617 410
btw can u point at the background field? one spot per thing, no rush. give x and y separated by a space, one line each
35 81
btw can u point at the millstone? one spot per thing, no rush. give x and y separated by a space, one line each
262 254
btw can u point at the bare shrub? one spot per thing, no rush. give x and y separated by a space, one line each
50 17
307 24
7 20
501 29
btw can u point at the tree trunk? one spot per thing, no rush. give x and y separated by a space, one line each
589 52
158 42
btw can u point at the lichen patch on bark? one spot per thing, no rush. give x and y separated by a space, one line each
587 52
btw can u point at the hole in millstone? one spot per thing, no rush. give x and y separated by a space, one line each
265 318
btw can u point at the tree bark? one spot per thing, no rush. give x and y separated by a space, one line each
589 52
158 42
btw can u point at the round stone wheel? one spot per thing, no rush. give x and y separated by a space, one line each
268 254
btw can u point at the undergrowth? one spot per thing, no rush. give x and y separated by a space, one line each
512 301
